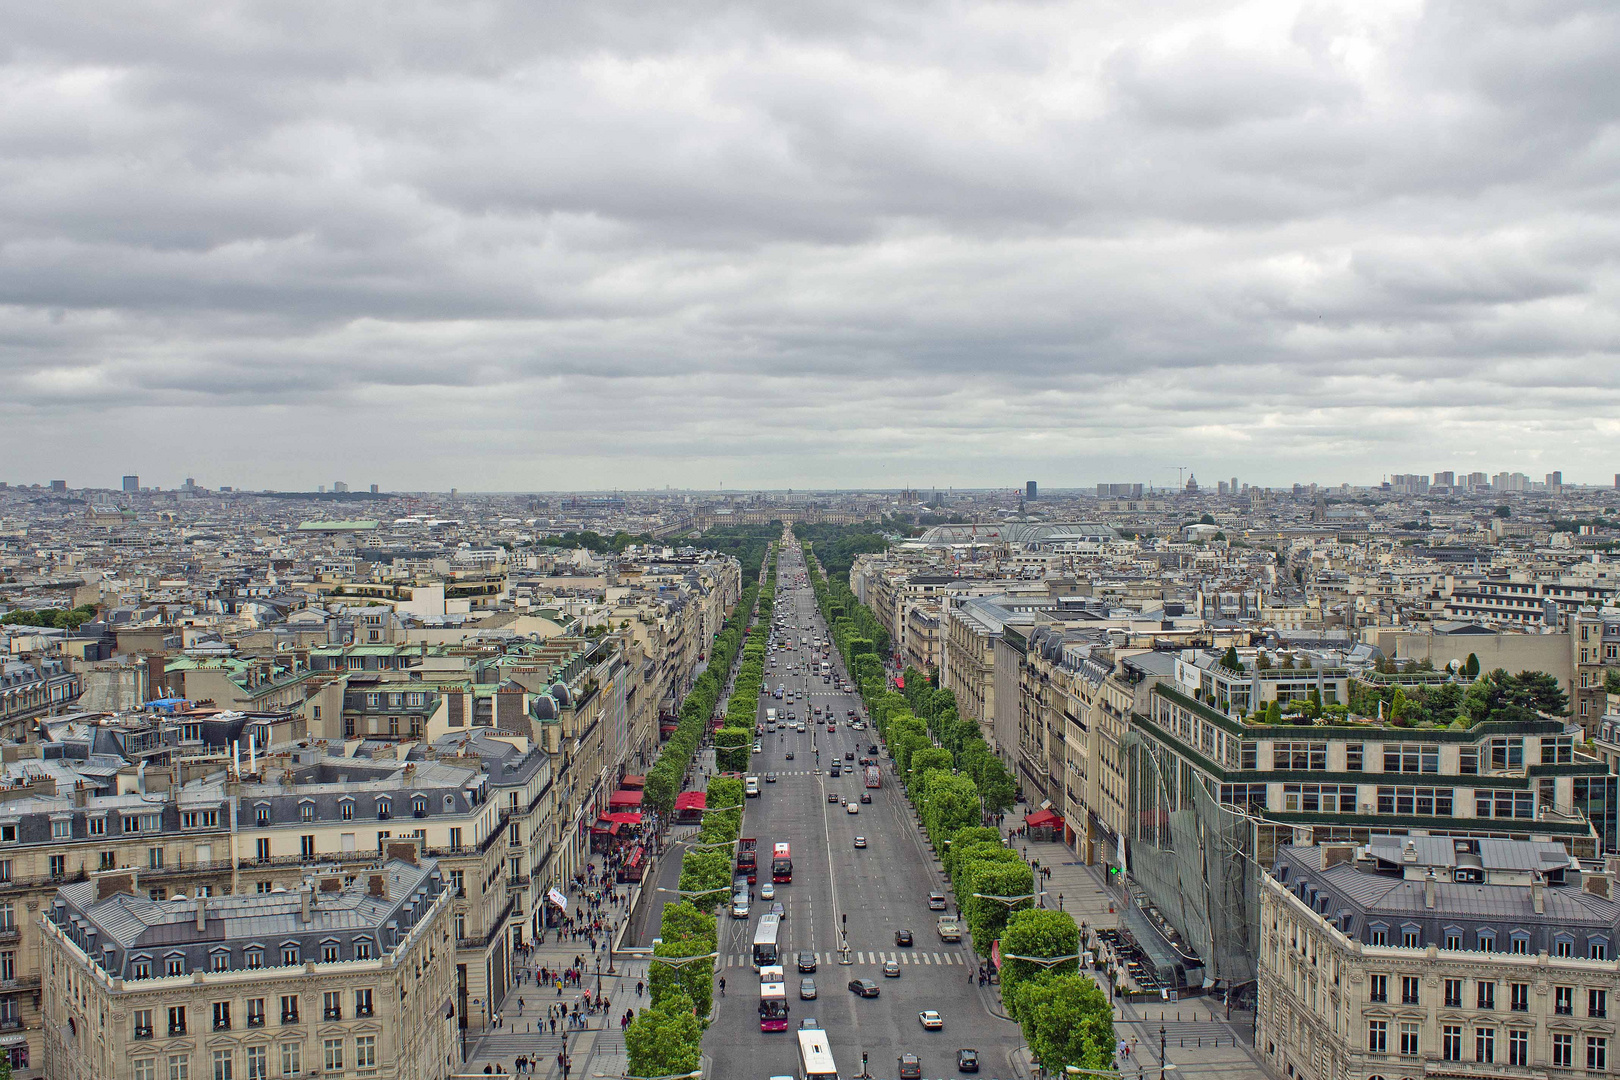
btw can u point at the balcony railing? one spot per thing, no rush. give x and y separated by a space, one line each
140 1032
289 1017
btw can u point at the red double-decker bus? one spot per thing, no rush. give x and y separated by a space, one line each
781 863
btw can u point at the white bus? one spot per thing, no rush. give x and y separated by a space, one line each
815 1056
765 951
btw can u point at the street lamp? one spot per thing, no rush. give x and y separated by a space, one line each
1042 961
1075 1070
695 1074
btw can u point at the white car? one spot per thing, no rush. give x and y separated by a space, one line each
931 1019
767 891
853 808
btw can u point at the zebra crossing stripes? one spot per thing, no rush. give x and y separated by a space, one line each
860 957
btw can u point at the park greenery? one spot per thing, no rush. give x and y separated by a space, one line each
68 619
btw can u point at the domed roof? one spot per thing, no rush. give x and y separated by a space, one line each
563 695
545 707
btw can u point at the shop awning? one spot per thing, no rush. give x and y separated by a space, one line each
605 826
633 782
625 798
636 857
1043 819
692 800
622 818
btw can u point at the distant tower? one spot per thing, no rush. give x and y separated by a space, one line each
1029 490
1192 484
374 489
1234 488
132 483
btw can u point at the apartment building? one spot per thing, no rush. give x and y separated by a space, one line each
29 690
342 976
1199 775
1436 956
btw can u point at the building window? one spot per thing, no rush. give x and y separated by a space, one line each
174 965
255 1012
223 1063
58 866
1597 1053
177 1019
1411 938
1378 935
385 810
365 1052
1598 948
348 810
1564 946
222 1016
1597 1003
261 849
254 957
1485 1044
1409 1039
262 815
333 1055
179 1067
292 1059
140 969
221 961
1518 1046
1486 996
61 830
362 951
289 1008
1564 1000
1519 943
332 1005
455 843
1451 1042
154 858
306 846
362 1003
1563 1051
1409 989
329 954
306 812
289 955
1453 993
1354 757
1377 1037
258 1064
1487 941
1378 988
145 1068
1519 997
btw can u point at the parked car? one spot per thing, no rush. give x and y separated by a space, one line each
863 988
903 938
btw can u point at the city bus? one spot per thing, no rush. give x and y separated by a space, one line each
874 776
773 1007
815 1056
765 951
781 863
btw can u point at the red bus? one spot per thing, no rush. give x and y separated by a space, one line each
773 1007
781 863
746 860
874 776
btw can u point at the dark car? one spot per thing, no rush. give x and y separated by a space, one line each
849 755
910 1067
789 755
872 749
832 796
902 938
836 770
866 796
807 962
967 1060
863 987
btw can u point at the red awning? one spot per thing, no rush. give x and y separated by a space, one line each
899 682
625 798
606 826
1042 819
691 800
635 857
623 818
633 782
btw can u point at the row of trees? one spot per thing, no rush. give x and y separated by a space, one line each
953 779
666 1038
664 778
70 619
736 735
855 632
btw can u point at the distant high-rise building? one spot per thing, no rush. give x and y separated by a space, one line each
132 483
1555 480
374 489
1445 479
1119 491
1030 490
1221 488
1234 487
339 486
191 483
58 485
1409 484
1477 480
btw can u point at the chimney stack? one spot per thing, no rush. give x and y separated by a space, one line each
1538 894
306 899
202 912
1428 890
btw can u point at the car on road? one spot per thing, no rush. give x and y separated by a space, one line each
832 727
853 808
836 770
789 755
807 962
758 748
872 749
936 901
931 1019
910 1067
770 778
863 987
779 911
967 1060
767 891
801 729
809 1023
849 755
891 969
807 989
832 796
903 938
860 841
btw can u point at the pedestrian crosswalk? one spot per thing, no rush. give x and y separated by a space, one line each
861 957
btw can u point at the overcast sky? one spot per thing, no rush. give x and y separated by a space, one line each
578 245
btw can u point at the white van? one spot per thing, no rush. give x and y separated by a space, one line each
751 787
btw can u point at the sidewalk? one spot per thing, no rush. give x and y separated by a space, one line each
1195 1030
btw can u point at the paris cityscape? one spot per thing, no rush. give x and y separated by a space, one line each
824 542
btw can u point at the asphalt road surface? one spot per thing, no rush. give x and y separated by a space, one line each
881 889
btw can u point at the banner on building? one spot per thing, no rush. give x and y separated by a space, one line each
557 898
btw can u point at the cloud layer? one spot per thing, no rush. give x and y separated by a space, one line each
517 246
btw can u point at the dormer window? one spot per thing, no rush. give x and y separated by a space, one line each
346 807
1597 948
262 815
1519 943
289 954
384 810
306 811
254 958
419 806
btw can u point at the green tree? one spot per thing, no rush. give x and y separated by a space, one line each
1067 1020
1504 511
949 804
681 920
1230 660
962 838
1036 932
1273 713
1471 667
921 761
1207 519
1398 708
666 1039
692 981
985 917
